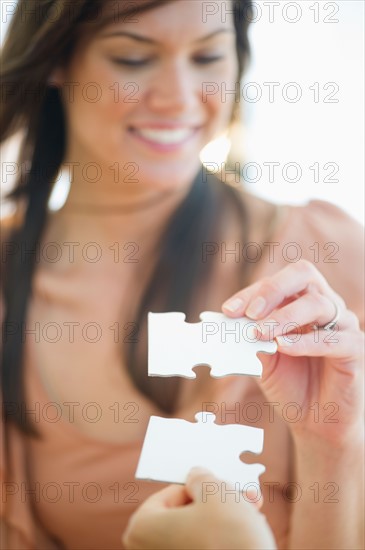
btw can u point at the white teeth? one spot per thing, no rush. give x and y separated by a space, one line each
166 137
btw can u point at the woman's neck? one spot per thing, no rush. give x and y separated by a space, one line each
124 228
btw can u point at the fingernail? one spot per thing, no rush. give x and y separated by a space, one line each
256 307
233 305
284 342
199 471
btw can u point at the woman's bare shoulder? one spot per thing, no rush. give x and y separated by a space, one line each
326 223
317 219
328 237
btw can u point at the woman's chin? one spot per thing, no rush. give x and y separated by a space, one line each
170 176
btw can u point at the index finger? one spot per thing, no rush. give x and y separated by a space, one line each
259 299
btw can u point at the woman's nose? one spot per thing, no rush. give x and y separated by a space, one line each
173 88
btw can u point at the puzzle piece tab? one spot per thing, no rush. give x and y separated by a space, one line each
227 345
173 446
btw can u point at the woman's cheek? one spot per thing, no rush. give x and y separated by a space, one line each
219 88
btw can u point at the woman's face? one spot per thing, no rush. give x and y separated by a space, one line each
151 91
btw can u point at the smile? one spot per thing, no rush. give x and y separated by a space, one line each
166 138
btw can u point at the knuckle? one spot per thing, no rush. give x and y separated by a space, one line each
327 307
340 301
352 319
317 301
271 287
305 266
359 342
288 319
265 281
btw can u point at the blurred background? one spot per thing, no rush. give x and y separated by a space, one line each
302 106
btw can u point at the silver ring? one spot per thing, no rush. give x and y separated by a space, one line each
331 325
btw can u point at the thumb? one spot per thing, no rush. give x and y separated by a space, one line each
202 485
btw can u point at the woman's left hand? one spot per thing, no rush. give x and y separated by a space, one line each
191 516
317 374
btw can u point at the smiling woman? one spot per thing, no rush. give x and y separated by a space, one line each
157 84
114 91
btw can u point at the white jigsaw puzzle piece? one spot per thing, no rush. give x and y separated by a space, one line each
227 345
173 446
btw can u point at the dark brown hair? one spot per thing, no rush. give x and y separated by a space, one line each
34 45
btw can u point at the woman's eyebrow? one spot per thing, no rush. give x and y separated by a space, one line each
145 39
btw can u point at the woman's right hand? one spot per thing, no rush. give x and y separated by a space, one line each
203 514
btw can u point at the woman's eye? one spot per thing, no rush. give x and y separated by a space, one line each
201 60
205 59
131 62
